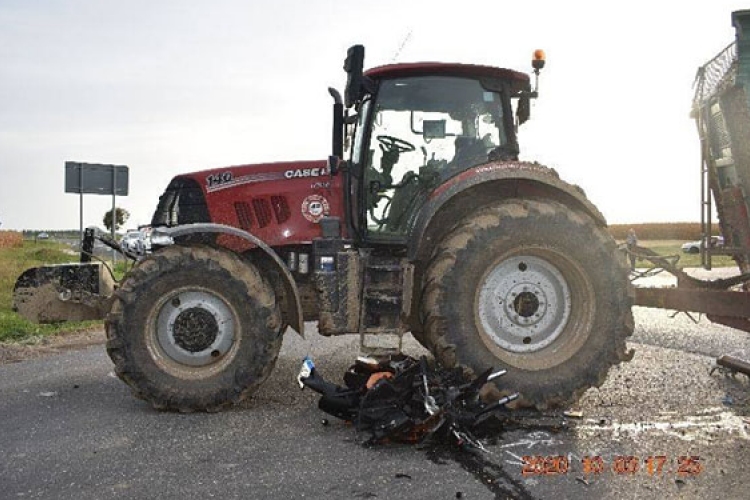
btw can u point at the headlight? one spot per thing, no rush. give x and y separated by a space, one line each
160 240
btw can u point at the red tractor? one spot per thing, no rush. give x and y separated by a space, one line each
430 224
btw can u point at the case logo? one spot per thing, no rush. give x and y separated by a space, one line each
305 172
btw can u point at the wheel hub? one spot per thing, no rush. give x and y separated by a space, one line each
195 327
524 304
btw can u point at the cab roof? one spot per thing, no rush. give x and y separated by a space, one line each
518 81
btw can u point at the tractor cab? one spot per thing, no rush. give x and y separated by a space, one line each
417 125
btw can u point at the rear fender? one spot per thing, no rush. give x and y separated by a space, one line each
485 184
296 319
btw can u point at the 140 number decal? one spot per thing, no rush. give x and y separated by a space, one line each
214 180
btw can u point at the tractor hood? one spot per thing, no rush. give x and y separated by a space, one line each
281 203
218 179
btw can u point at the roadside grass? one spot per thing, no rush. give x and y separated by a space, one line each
13 261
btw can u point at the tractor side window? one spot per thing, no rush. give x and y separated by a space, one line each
393 166
423 131
359 132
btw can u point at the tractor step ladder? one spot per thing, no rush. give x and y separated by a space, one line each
386 300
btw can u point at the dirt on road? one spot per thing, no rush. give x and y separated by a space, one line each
15 352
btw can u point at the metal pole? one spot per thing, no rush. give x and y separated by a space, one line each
80 202
114 214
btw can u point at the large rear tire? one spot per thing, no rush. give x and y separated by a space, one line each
533 287
194 328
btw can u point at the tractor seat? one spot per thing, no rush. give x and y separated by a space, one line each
470 151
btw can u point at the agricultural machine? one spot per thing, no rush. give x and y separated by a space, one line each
721 109
422 220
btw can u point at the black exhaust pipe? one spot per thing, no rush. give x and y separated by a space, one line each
338 123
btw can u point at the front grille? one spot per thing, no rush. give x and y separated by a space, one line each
242 209
182 203
280 209
262 211
265 212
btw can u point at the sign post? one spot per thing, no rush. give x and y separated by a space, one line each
96 178
80 202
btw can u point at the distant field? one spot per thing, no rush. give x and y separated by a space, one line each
10 239
65 234
672 247
686 231
667 238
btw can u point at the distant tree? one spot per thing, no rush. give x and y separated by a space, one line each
121 216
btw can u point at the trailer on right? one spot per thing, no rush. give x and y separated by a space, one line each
721 110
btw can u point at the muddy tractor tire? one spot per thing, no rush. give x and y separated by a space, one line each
532 287
194 328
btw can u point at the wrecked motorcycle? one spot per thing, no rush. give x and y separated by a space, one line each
403 399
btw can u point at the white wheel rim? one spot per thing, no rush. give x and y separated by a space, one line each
524 304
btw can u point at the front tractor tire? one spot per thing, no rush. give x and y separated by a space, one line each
194 328
533 287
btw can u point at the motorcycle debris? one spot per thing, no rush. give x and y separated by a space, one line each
402 399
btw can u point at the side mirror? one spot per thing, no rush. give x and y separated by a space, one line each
355 58
523 111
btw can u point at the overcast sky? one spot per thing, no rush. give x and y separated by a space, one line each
175 86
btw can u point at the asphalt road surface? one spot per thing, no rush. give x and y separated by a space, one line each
70 429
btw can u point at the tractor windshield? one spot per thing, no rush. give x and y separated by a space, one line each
424 130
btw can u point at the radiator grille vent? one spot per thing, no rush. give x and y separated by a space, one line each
262 210
280 209
243 215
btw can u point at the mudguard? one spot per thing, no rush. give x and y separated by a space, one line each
487 183
296 320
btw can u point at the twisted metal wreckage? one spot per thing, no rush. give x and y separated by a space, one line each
405 400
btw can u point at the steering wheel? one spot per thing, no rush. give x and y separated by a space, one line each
389 143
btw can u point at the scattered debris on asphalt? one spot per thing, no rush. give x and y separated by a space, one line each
402 399
573 414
